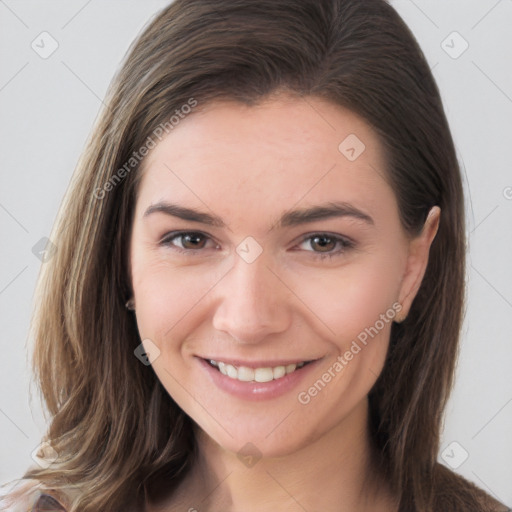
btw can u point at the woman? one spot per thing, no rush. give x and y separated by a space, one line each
258 291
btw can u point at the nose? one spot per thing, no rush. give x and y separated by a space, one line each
253 302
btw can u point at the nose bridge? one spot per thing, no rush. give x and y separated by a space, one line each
252 300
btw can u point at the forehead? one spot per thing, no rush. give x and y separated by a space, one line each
267 158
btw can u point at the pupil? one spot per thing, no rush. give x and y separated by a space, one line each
192 238
322 241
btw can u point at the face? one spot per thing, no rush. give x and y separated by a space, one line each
295 255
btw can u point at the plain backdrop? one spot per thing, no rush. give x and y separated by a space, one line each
48 104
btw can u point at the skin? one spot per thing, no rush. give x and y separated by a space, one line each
249 165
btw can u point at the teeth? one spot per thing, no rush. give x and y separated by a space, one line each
245 374
263 374
231 371
279 371
290 368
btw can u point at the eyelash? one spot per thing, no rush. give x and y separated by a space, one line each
344 242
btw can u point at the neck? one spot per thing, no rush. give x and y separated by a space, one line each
340 464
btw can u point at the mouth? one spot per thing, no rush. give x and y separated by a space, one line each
256 374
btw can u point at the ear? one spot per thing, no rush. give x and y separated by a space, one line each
417 261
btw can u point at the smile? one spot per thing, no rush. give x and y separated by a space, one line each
246 374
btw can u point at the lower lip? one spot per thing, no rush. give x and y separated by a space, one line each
257 390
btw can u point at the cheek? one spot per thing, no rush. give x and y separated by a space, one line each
352 298
355 306
165 295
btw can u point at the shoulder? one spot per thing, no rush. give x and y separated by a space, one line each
456 493
490 503
29 496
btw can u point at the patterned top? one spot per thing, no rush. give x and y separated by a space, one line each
37 500
47 503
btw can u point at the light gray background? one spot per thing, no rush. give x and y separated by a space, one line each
47 107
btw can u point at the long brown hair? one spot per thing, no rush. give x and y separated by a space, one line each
112 423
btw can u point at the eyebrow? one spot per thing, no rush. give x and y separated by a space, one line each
288 219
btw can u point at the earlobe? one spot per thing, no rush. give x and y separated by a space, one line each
417 260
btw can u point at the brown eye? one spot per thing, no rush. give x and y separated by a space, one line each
185 241
192 241
323 242
324 245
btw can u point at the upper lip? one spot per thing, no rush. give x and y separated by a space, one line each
257 364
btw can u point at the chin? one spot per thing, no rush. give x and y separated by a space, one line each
259 443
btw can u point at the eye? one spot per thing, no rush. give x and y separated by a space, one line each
190 241
326 243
